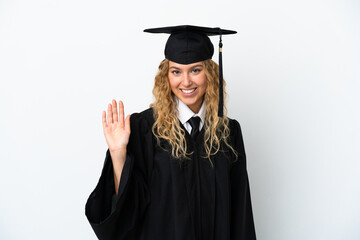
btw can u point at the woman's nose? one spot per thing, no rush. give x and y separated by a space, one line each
187 80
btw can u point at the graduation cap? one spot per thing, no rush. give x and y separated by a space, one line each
189 44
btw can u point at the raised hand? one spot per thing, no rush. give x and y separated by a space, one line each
116 128
117 134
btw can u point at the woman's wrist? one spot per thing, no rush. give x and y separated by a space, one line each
118 151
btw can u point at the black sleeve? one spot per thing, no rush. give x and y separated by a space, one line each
119 222
242 223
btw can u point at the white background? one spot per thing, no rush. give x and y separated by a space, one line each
292 76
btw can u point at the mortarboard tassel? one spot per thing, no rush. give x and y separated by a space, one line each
221 98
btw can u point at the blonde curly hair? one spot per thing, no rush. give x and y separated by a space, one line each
167 125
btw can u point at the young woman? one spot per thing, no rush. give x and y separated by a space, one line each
176 170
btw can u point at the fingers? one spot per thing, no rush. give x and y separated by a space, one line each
110 114
114 110
113 115
104 119
121 113
127 123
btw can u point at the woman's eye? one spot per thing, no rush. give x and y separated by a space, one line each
196 70
175 72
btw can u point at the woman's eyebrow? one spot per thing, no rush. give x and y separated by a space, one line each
199 65
174 67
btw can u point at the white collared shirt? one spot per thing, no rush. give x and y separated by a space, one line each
185 114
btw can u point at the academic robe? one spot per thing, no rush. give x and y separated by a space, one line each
160 198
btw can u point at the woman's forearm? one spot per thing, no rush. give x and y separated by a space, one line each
118 160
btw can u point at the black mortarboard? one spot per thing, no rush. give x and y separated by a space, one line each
189 44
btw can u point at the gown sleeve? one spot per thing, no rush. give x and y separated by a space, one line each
116 217
242 223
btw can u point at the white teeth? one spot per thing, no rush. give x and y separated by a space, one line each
188 91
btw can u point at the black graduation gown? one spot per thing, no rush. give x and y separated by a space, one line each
159 199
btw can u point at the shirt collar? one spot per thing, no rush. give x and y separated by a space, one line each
185 112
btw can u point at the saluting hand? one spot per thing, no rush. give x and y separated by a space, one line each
116 128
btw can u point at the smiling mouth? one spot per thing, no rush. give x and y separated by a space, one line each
188 90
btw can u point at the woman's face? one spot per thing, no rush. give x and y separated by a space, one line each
188 83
